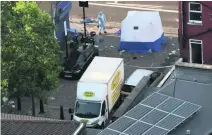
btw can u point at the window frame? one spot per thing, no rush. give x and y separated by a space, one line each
103 109
192 11
196 41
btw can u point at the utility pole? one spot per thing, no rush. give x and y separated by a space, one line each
175 81
53 11
84 21
66 39
84 4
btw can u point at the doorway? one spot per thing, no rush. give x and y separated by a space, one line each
196 55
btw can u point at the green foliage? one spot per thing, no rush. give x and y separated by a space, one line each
30 52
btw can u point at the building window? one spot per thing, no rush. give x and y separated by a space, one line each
195 12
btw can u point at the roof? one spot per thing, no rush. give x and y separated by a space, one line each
195 85
5 116
92 131
12 124
209 132
192 84
136 76
101 69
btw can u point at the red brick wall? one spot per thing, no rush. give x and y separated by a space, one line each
45 5
194 29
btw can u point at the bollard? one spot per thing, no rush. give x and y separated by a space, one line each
61 113
71 113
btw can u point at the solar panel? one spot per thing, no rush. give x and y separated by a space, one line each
122 124
154 100
138 112
154 117
156 131
136 128
158 114
170 122
170 104
186 110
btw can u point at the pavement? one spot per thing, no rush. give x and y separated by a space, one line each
111 27
65 94
116 12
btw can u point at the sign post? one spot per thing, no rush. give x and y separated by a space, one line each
84 4
65 31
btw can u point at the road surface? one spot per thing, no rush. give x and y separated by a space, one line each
65 94
116 12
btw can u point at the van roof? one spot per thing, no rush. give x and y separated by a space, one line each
101 70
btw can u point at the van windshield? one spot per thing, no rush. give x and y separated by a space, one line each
85 109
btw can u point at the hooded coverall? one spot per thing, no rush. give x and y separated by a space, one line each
101 22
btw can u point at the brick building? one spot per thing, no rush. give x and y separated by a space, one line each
195 31
45 5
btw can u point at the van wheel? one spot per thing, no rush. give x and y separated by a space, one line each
96 53
102 126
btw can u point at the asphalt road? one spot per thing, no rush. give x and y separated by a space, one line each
116 12
65 94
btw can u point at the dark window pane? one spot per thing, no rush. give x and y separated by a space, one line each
195 16
195 7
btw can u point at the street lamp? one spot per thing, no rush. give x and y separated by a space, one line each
83 4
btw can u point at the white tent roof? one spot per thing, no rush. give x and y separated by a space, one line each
148 23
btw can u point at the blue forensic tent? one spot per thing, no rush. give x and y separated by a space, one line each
142 31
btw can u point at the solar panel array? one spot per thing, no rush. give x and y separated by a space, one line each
158 114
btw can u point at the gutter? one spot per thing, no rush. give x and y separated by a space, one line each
159 78
209 132
168 74
194 65
183 25
166 77
80 129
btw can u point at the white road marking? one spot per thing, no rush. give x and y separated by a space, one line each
131 7
135 5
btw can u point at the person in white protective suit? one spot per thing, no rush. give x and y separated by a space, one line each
101 22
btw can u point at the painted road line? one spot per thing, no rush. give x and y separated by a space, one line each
135 5
137 8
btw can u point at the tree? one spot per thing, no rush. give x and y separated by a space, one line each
6 14
32 51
